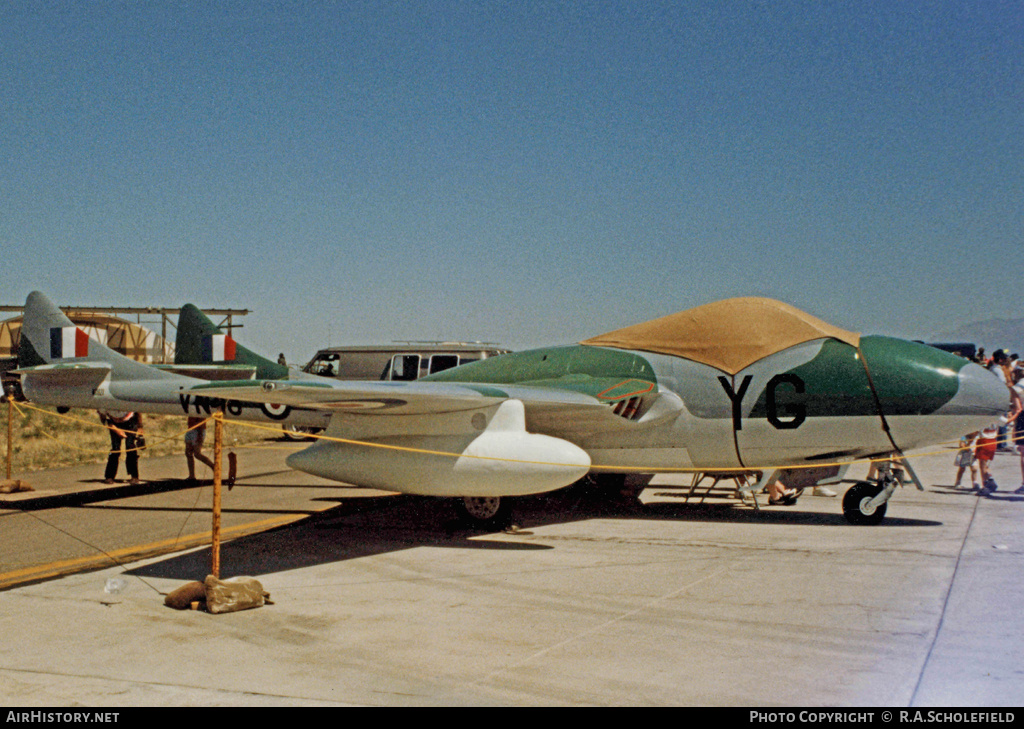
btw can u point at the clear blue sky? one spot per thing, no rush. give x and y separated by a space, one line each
526 172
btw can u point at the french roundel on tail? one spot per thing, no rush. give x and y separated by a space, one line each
68 342
218 348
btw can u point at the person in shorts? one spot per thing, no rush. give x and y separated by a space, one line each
985 451
194 437
965 460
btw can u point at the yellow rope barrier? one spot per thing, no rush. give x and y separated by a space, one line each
446 454
613 468
90 423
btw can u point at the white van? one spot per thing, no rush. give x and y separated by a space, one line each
400 361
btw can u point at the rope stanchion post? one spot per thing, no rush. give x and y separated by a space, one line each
10 429
218 438
11 485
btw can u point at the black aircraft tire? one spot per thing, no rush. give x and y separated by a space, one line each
489 513
856 498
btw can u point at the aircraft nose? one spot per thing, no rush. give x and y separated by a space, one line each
981 394
929 396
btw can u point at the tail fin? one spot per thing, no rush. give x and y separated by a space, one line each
201 342
49 337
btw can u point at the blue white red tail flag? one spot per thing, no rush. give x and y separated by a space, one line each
218 348
68 342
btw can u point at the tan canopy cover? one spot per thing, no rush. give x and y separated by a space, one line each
727 335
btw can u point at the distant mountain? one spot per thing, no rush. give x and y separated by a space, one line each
992 334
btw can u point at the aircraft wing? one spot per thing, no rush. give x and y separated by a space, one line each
397 398
433 448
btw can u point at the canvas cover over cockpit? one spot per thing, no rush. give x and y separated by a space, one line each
728 335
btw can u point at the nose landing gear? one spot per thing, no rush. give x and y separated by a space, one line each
865 502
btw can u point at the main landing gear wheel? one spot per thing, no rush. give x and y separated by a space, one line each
485 512
299 432
855 504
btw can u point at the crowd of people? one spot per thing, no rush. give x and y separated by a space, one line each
977 450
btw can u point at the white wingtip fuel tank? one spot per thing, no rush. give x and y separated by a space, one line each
502 460
541 462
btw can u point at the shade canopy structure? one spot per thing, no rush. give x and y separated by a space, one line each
728 335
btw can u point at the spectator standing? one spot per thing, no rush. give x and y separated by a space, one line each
965 460
124 428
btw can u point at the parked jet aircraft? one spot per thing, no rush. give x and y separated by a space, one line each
60 365
744 384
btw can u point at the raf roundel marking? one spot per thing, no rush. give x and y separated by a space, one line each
275 412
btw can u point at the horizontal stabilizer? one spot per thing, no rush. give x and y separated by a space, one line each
211 373
87 376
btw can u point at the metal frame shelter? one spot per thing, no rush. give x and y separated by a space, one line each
89 314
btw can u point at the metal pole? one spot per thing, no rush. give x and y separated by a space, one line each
10 428
163 337
218 435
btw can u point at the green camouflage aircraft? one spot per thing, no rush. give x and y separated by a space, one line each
743 385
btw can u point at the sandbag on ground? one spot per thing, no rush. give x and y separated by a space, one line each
184 596
235 593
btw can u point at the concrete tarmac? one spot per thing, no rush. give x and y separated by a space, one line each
386 601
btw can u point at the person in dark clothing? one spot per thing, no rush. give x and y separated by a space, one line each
126 428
